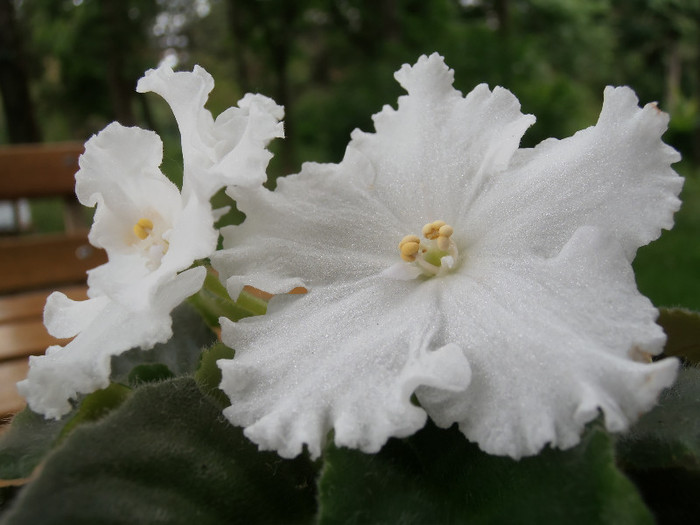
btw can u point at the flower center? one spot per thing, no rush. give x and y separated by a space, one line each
143 228
436 255
152 243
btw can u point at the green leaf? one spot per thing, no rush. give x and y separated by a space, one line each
437 476
668 435
208 375
30 437
25 443
682 328
149 373
180 354
166 456
96 405
661 453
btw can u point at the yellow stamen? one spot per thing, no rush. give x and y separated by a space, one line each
428 256
432 229
409 238
446 230
143 228
409 247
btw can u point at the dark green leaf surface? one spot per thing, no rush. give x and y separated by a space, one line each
26 442
661 453
166 456
668 435
438 477
180 354
148 373
31 437
96 405
682 328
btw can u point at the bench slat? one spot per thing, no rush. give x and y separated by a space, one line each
39 170
24 338
37 261
30 305
11 372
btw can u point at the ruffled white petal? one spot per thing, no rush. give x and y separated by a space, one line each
432 155
84 364
230 150
550 341
64 317
326 361
317 227
615 175
119 172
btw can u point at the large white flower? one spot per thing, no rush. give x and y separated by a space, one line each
151 231
510 307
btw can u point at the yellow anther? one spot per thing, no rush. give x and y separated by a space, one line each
143 228
409 238
432 229
443 243
446 230
409 250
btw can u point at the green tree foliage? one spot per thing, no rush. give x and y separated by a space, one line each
330 61
86 58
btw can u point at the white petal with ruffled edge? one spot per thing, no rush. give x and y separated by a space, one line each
289 386
550 332
84 364
119 172
549 341
615 175
230 150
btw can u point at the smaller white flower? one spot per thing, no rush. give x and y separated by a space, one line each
151 231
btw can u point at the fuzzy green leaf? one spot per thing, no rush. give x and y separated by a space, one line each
437 476
24 444
669 435
661 453
96 405
30 436
166 456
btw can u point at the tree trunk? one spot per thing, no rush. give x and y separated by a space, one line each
238 36
14 82
121 89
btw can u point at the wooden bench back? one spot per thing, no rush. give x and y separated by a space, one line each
32 265
43 260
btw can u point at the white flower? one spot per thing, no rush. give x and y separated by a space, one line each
517 316
151 231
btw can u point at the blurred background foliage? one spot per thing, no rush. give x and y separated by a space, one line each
69 67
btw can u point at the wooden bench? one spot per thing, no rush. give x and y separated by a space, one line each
32 265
